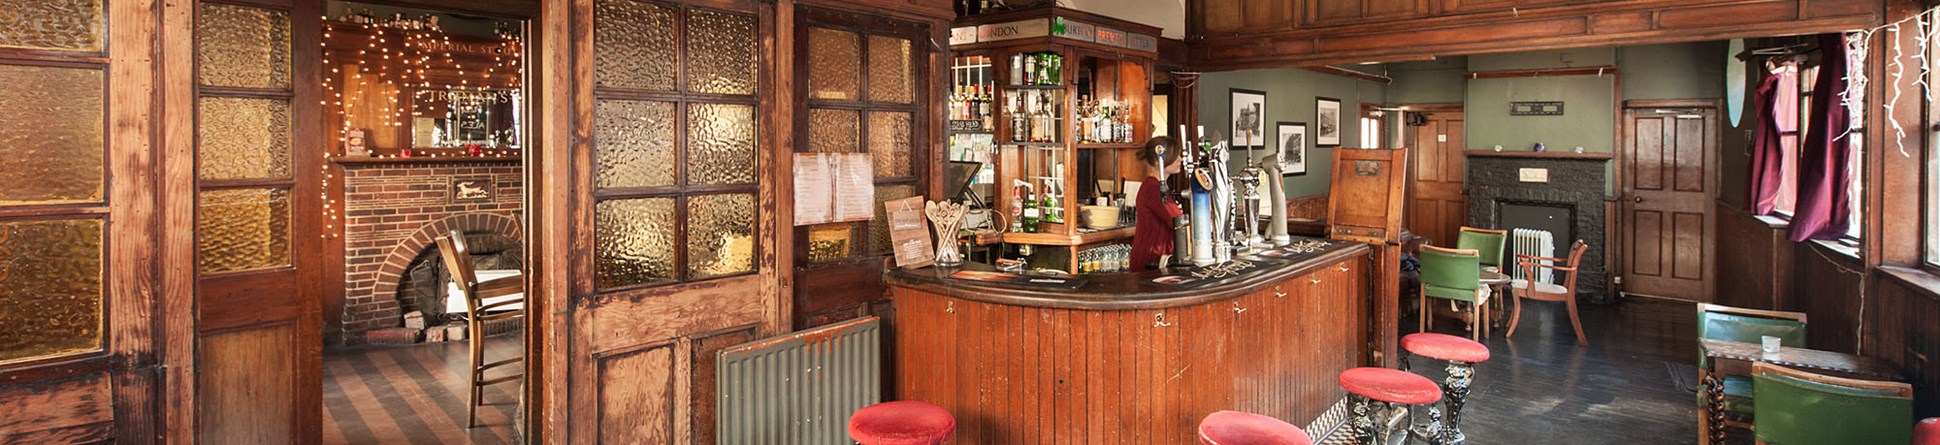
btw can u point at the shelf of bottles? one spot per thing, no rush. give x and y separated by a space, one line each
1035 104
973 115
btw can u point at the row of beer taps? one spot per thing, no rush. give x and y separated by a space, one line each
1222 219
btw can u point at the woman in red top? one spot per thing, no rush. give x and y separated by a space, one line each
1152 239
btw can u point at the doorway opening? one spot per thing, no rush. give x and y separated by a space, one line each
426 124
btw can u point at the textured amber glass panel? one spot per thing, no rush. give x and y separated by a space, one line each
889 143
832 241
51 130
243 229
720 53
240 46
51 24
891 78
633 242
833 131
50 288
833 60
633 45
243 138
720 144
720 235
879 227
634 142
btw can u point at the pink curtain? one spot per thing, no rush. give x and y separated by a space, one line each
1767 154
1824 180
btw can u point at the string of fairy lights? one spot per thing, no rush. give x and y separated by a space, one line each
401 53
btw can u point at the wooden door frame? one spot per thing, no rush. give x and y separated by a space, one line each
1616 223
1407 211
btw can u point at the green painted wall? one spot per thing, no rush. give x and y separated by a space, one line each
1437 81
1290 97
1586 121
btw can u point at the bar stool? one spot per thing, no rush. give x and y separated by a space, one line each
1389 387
1927 432
902 422
1242 428
1461 354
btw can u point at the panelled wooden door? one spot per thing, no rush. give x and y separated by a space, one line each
858 91
668 210
257 220
1669 177
78 340
1438 207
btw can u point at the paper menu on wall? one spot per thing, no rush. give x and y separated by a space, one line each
834 187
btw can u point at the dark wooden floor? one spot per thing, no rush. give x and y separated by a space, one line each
1539 387
413 395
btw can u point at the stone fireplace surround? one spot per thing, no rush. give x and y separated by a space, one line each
1575 182
392 214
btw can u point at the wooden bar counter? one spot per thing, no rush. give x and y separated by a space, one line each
1121 360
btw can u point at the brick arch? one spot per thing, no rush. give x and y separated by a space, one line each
392 271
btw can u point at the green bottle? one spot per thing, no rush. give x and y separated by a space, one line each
1031 214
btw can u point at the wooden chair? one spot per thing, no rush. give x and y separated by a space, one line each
1748 326
1455 275
507 300
1804 408
1534 290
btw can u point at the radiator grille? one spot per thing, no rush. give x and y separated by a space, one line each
799 388
1537 243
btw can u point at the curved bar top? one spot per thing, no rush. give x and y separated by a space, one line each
1117 291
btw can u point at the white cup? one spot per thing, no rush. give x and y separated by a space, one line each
1770 344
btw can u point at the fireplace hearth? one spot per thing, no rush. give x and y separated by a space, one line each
1569 202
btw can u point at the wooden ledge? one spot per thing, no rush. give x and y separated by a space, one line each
1542 155
1119 291
356 161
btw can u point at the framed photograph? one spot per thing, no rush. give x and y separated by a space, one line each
1327 128
1249 118
1293 148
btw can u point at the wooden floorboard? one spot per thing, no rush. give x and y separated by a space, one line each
414 395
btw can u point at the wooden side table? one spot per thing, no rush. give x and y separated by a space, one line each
1731 358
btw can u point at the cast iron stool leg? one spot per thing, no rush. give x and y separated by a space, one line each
1362 420
1454 394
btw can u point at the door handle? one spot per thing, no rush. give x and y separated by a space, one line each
1638 199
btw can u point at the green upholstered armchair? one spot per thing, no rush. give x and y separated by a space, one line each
1802 408
1487 244
1749 326
1456 275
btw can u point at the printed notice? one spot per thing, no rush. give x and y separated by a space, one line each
814 189
855 187
910 242
834 187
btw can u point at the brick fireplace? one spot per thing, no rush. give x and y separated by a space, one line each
1571 198
394 210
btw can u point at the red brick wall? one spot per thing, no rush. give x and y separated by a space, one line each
394 211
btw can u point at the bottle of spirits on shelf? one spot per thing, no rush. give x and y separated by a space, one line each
1031 214
1016 214
1018 131
1050 207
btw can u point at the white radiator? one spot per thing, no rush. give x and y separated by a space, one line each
1537 243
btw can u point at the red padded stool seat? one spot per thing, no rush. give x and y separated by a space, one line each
1927 432
1445 347
1239 428
901 422
1391 386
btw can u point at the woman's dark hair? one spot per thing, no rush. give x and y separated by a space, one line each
1150 154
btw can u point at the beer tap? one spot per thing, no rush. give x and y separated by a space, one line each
1276 195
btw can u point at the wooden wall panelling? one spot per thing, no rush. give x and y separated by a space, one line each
1337 35
1908 331
562 37
1827 285
1755 261
237 371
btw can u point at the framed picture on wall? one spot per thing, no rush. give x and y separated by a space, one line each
1293 148
1249 118
1327 122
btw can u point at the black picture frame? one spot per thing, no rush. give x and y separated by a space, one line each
1327 117
1248 108
1293 160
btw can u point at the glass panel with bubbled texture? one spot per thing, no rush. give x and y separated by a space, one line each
833 58
889 143
50 288
73 25
633 45
890 75
720 144
243 229
634 142
51 130
720 53
879 227
633 242
720 235
832 131
831 241
243 138
240 46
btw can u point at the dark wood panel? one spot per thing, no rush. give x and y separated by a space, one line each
1907 332
1023 374
1827 287
239 373
702 384
1755 269
70 411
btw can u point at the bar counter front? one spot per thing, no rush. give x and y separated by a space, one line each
1122 359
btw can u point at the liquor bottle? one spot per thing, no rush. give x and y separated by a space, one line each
1016 214
1031 214
1018 133
1030 70
1017 69
1050 209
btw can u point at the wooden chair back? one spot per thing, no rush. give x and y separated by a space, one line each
1489 244
1797 406
1567 266
458 262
